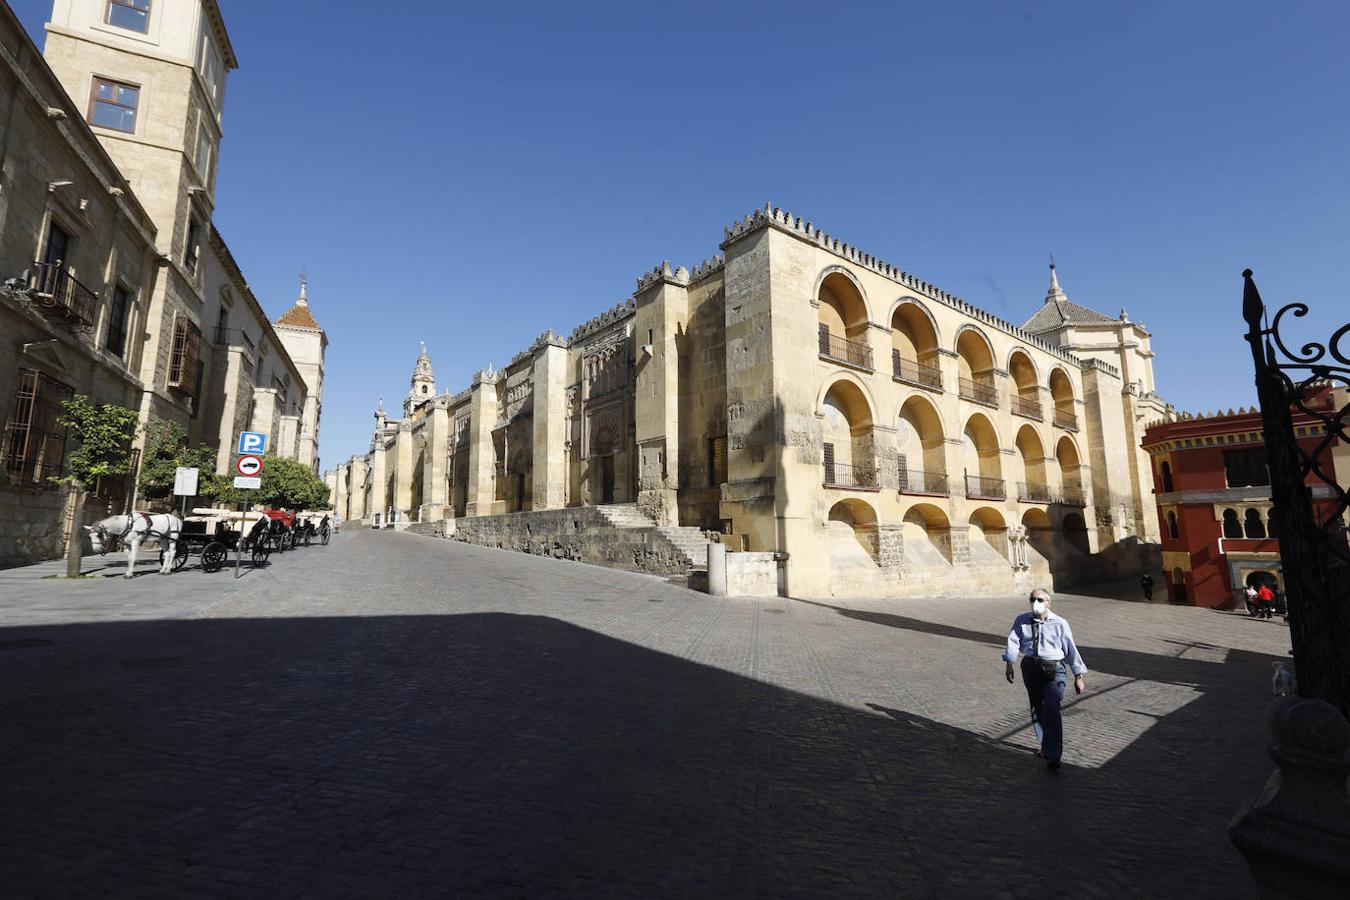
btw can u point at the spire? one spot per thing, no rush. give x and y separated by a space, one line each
1056 293
304 292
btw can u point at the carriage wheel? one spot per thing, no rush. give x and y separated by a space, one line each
180 555
323 536
260 554
308 537
213 557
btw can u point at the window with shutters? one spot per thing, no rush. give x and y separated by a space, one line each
829 464
717 461
185 357
116 342
35 441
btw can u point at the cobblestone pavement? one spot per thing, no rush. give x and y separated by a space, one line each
403 716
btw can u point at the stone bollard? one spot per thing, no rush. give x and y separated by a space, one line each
1296 834
717 569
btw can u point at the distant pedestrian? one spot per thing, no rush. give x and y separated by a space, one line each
1265 601
1146 582
1250 593
1045 643
337 523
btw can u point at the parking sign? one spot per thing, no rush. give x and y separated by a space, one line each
252 442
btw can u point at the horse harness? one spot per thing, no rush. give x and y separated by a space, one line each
130 526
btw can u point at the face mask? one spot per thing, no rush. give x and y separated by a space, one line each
1039 607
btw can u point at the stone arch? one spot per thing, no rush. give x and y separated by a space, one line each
1252 525
1032 485
1061 394
914 344
927 524
848 419
989 525
1165 472
1076 533
1040 531
843 317
1173 527
1025 384
843 376
975 365
1232 526
861 519
1069 462
980 458
922 446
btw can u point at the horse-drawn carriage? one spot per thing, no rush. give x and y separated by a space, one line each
213 538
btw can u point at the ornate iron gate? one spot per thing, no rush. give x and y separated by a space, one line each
1315 553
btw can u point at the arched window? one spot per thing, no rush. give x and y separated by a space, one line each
1172 530
1253 525
1178 586
1232 528
1166 470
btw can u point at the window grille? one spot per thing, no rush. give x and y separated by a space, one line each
35 442
184 359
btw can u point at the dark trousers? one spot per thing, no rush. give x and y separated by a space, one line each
1045 695
1148 593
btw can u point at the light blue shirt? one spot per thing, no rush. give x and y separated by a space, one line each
1055 641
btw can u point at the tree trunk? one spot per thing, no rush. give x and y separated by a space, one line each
75 546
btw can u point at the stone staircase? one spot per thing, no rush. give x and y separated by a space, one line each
688 544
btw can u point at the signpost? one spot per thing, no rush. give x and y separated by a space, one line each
248 468
185 485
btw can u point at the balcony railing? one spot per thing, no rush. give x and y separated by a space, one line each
845 351
977 486
1066 420
912 372
978 391
847 476
232 337
59 294
1072 497
1029 408
932 484
1032 492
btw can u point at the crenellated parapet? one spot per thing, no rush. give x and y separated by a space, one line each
1099 365
773 217
663 274
547 339
607 318
707 267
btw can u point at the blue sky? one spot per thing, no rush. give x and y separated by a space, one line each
469 175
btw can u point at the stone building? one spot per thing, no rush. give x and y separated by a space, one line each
798 397
120 287
68 325
1214 503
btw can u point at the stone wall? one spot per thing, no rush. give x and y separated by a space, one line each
581 534
752 575
32 523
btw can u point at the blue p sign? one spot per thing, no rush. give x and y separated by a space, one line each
252 442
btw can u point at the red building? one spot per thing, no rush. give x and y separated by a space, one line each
1214 506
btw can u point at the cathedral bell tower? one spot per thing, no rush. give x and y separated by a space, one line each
423 386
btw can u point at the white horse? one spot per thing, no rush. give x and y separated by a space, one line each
134 529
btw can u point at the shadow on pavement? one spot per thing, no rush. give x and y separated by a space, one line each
516 755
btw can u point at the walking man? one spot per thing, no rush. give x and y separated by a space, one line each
1146 582
1266 602
1045 643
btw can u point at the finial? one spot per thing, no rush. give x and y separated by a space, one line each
1056 293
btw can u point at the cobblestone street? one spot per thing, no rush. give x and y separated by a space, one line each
397 716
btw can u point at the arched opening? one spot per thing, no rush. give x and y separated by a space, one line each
914 348
980 457
1232 528
1040 532
975 364
1076 533
1070 466
1026 395
1178 586
1032 486
1252 526
847 437
843 321
1061 393
927 535
861 520
1260 577
922 449
988 529
1173 529
419 473
1165 470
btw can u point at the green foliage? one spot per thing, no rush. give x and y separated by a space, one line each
287 483
167 449
103 436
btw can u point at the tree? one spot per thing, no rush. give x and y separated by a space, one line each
290 484
103 436
166 451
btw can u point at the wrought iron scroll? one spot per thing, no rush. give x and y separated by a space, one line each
1315 555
